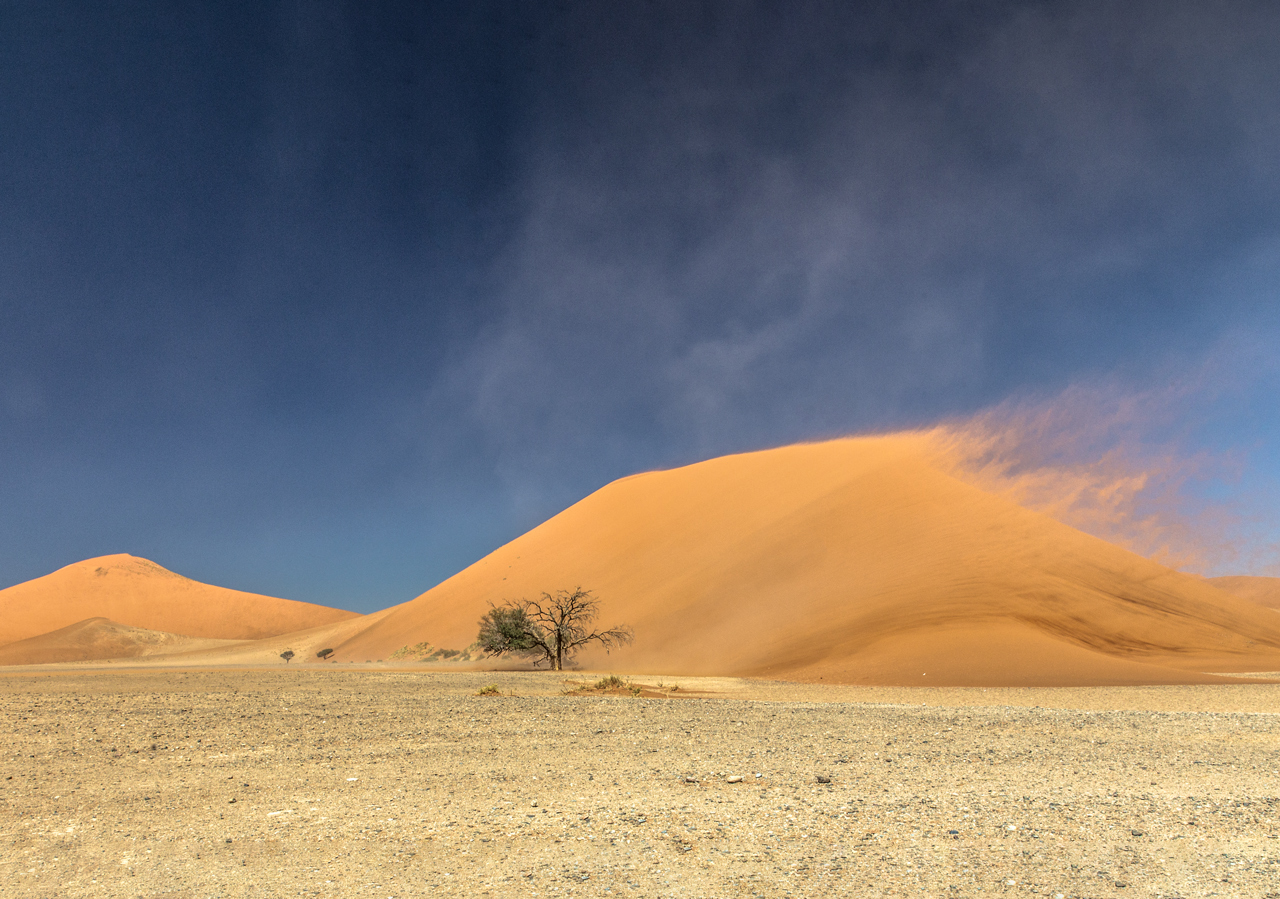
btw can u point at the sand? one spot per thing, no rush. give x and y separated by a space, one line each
138 593
97 639
379 782
857 561
1265 591
851 561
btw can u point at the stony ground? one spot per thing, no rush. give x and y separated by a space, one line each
391 783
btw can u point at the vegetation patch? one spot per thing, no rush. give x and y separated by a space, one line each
612 685
426 652
549 630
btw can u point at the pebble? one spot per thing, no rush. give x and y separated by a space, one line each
438 780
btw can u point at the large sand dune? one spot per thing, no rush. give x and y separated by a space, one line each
140 594
857 561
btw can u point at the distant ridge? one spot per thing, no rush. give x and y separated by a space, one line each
97 639
139 593
855 561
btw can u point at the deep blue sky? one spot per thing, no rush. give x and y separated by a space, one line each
328 300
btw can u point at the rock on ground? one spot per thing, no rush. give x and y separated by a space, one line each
396 783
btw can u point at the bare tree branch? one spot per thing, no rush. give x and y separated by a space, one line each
552 628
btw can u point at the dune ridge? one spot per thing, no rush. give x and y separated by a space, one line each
138 593
859 561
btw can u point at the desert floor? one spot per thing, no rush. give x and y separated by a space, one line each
384 782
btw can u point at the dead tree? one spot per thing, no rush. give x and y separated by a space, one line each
551 629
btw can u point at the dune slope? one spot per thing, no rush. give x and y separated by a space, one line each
266 651
858 561
140 594
96 639
1265 591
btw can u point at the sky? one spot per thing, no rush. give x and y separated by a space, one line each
327 300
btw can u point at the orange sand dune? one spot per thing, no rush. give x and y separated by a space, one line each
141 594
97 639
856 561
266 651
1265 591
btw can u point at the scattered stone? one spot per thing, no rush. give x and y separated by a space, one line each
823 779
1065 771
735 779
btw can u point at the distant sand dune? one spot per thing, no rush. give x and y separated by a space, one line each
141 594
266 651
854 561
96 639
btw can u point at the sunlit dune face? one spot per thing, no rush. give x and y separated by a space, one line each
137 593
856 560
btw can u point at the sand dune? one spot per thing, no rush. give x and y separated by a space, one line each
141 594
855 561
97 639
1265 591
266 651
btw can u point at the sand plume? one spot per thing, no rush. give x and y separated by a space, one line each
138 593
1265 591
1100 458
855 560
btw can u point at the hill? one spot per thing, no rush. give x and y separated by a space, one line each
140 594
97 639
856 561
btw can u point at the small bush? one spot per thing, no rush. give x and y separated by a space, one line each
489 690
611 682
415 652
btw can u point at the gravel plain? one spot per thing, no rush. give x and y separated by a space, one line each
395 782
